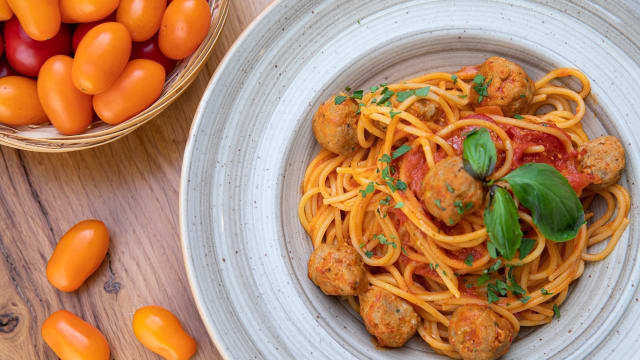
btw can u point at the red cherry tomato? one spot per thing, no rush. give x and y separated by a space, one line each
151 50
82 30
1 44
5 68
26 55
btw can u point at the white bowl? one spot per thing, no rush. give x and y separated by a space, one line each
245 250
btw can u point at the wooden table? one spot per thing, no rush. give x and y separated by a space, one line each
132 185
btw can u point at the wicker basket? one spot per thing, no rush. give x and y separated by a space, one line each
45 138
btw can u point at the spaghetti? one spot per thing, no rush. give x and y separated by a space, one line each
438 268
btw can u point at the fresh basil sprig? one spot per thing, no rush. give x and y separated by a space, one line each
501 220
479 153
556 209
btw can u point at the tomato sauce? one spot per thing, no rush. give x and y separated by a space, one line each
477 252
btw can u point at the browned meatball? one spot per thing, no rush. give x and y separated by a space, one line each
478 333
449 192
510 87
423 109
392 320
602 157
334 126
337 269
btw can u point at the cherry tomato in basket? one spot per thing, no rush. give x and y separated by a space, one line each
141 17
161 332
138 87
78 254
26 55
68 109
39 18
151 50
184 25
82 11
102 55
5 68
5 11
19 104
72 338
82 30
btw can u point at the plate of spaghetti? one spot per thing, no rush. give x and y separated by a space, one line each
399 190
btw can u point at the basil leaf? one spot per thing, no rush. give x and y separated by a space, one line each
479 153
501 220
526 246
556 209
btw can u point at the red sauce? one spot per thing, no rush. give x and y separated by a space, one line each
414 167
477 252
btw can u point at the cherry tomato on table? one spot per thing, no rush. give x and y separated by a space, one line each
102 55
26 55
184 25
82 30
141 17
138 87
5 11
161 332
19 104
5 68
39 18
78 254
151 50
68 109
72 338
81 11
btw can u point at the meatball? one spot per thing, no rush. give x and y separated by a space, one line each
602 157
423 109
392 320
338 270
511 88
478 333
334 126
449 192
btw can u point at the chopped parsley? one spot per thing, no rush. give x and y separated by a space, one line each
483 279
368 190
454 78
348 88
399 205
449 188
374 89
401 151
360 105
522 95
525 299
423 91
469 260
394 113
556 311
401 185
404 95
462 96
481 87
357 95
385 201
459 206
383 240
494 267
451 222
545 292
362 245
518 116
468 285
404 251
368 254
492 297
386 95
340 99
439 205
385 158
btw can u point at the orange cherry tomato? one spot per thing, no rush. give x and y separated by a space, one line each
78 255
39 18
160 331
101 56
19 104
184 25
141 17
81 11
5 11
138 87
68 109
72 338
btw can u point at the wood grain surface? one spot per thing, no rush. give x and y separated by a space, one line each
132 185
